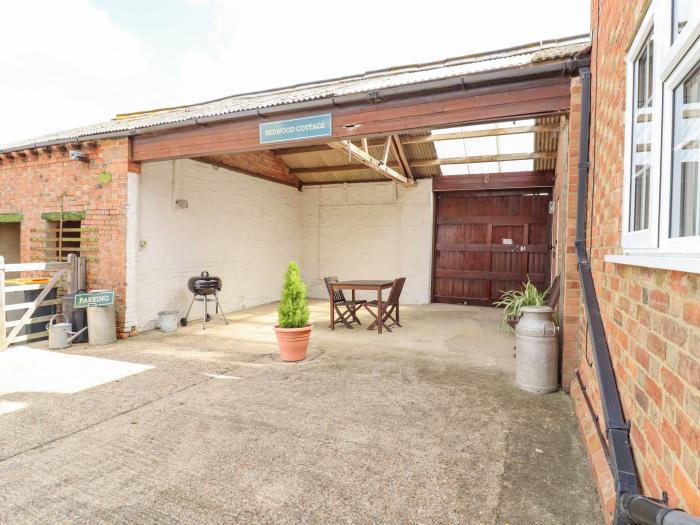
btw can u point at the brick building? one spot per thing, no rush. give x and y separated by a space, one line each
644 255
412 151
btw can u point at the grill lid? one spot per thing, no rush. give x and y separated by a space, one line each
204 284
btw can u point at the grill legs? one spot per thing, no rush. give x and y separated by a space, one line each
206 317
219 309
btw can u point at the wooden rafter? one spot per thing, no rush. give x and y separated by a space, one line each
334 169
422 139
400 153
485 158
387 148
296 150
494 132
369 161
420 163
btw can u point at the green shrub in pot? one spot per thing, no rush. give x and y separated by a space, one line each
293 331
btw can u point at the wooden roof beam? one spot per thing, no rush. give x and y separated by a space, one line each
400 154
334 169
494 132
369 161
485 158
320 147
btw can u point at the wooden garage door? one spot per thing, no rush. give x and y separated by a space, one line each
486 243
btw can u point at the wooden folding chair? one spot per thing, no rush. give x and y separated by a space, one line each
346 310
390 307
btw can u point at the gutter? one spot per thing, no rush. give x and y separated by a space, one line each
631 508
537 70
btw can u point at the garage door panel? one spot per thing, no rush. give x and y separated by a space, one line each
487 244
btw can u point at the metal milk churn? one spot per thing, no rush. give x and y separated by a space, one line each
536 353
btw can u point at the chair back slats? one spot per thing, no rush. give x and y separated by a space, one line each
338 295
395 293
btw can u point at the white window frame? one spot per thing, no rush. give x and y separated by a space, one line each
668 244
642 239
673 60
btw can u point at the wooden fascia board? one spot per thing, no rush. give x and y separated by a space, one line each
491 103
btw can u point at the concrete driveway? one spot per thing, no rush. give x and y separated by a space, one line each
422 425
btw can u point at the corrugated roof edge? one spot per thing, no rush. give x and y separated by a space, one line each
125 124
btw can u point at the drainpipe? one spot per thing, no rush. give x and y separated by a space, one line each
630 507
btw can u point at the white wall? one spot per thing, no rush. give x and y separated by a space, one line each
246 230
240 228
132 247
369 231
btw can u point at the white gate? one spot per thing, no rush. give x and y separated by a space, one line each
60 269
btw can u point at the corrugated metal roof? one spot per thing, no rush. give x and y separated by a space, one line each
368 82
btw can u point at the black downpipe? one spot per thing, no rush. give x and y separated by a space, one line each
630 506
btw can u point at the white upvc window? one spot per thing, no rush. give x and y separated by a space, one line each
661 192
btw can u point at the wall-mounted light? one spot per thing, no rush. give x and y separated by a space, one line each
76 154
182 203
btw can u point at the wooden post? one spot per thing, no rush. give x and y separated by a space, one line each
73 273
3 333
60 233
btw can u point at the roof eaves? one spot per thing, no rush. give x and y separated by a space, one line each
314 92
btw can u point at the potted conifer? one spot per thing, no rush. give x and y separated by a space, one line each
293 331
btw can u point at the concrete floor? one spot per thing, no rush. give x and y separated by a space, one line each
422 425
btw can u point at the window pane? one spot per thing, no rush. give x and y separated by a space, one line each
683 12
641 138
640 219
685 190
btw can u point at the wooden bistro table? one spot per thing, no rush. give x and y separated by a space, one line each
361 285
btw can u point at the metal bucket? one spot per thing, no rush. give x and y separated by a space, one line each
168 320
60 334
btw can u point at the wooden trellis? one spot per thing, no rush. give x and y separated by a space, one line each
52 244
57 243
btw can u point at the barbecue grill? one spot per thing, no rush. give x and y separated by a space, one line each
203 286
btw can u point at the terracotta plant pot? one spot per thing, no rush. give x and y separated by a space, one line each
293 342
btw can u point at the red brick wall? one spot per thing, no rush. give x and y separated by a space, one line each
652 317
34 185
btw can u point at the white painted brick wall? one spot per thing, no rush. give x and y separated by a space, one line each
246 230
240 228
368 231
132 246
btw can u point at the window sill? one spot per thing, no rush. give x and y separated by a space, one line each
659 262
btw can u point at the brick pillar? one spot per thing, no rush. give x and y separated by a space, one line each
571 293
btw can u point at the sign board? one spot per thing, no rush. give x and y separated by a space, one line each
507 241
296 129
100 298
